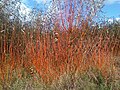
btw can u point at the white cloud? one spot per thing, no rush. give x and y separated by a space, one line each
118 19
42 1
111 20
112 1
25 11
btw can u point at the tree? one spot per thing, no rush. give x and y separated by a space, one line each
75 12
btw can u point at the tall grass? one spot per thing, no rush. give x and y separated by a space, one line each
68 52
51 54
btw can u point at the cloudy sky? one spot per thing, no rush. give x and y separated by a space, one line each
111 8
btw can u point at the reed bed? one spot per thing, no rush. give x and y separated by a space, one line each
49 55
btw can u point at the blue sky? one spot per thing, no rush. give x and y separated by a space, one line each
111 8
34 3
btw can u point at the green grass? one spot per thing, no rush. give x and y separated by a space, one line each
89 80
